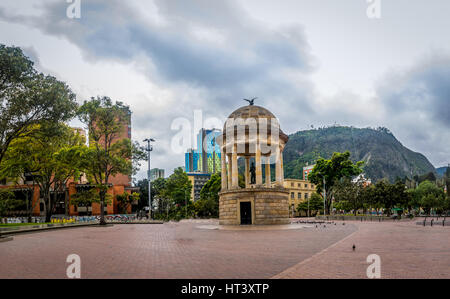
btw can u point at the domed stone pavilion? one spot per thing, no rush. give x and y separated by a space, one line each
253 133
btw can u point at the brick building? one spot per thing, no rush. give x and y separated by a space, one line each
117 185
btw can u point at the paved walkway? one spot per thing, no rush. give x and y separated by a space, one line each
406 250
183 250
171 250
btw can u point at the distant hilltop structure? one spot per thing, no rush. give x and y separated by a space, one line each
306 170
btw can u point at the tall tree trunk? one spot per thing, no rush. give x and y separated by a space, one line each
30 205
47 205
102 208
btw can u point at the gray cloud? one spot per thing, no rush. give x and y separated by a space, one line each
210 54
423 89
215 48
416 103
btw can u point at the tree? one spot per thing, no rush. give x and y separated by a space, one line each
389 195
7 201
430 176
339 166
107 154
315 204
429 196
52 154
28 98
125 200
86 198
349 195
16 172
158 186
208 204
447 181
178 187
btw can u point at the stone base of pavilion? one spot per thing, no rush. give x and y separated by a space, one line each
269 206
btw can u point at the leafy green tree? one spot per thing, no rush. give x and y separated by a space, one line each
125 200
85 198
158 187
389 195
315 205
107 154
8 202
447 181
349 194
52 154
332 170
430 197
178 187
208 204
28 98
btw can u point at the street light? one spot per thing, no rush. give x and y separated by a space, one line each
308 207
149 148
324 193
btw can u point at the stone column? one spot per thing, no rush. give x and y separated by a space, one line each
247 169
278 168
282 167
224 170
230 168
258 165
267 166
234 171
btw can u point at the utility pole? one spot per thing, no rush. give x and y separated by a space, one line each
185 203
149 148
308 207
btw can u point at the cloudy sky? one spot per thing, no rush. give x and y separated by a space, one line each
310 62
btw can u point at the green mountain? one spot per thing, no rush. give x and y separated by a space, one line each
383 154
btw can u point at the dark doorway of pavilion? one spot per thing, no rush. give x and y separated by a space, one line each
246 212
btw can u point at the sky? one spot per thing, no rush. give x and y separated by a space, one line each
312 63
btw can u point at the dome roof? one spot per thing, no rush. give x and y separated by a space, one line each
251 111
255 112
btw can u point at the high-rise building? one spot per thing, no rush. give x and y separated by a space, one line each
198 180
206 157
156 173
191 160
306 170
125 132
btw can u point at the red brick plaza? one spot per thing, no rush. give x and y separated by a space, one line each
183 250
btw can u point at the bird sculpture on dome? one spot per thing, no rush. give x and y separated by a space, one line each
250 102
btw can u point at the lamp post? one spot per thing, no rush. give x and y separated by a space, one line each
185 203
308 207
149 148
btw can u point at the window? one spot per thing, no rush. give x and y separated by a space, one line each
306 185
292 195
292 184
306 195
299 195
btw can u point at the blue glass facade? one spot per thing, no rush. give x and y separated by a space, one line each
206 157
